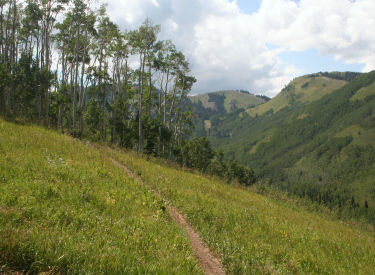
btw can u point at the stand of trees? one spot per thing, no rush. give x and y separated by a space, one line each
197 153
74 75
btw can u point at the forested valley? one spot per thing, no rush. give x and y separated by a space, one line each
314 140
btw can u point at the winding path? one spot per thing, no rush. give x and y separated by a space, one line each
209 264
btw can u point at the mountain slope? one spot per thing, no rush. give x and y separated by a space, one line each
322 149
227 101
255 234
208 107
304 89
65 207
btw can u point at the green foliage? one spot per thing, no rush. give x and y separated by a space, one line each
93 116
197 153
347 76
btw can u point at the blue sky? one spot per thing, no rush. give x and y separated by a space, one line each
248 6
310 61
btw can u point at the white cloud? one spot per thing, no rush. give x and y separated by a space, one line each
228 49
341 28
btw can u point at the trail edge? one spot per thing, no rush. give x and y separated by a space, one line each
210 264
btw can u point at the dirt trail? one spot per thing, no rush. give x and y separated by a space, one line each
207 261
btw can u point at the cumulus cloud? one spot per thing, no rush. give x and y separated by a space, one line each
228 49
341 28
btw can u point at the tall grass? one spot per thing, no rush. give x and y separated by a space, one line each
65 208
257 234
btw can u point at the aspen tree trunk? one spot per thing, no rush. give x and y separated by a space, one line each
2 34
82 92
172 105
140 130
150 89
165 97
165 104
7 30
114 88
71 94
13 58
159 109
76 78
38 93
47 59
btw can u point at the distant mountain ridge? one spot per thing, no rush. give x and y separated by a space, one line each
209 106
228 100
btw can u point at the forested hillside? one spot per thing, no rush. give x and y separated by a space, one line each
209 107
315 139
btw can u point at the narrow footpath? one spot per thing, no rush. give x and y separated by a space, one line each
209 264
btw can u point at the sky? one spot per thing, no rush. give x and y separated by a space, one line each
259 45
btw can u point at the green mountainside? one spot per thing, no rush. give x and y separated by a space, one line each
315 139
227 101
66 208
208 107
302 89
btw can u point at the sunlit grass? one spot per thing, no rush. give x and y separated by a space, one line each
65 208
255 234
306 89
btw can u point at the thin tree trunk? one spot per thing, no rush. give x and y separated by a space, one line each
38 91
165 97
13 59
7 30
150 89
72 95
82 93
172 105
159 109
1 34
76 78
140 130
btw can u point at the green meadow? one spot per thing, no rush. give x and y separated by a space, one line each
252 233
66 209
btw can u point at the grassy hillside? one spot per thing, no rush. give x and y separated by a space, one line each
320 145
65 208
254 234
302 89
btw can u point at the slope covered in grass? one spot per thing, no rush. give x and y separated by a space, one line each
65 208
255 234
303 89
